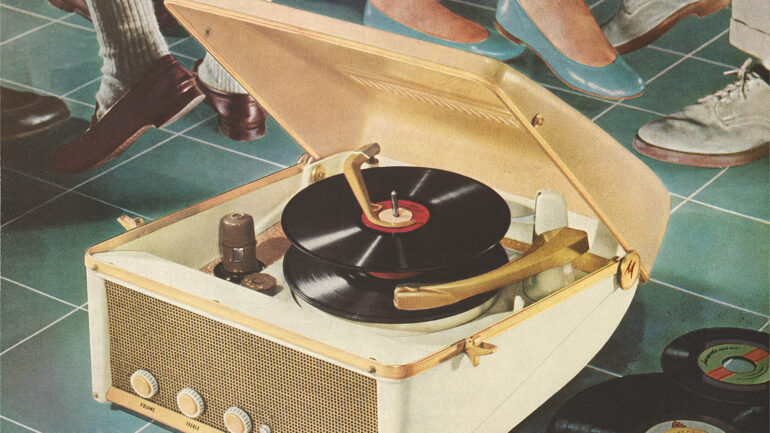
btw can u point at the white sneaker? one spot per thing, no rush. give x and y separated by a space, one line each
639 22
729 127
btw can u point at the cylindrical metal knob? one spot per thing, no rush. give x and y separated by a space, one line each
239 244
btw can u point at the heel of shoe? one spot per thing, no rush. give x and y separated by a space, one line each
708 7
235 130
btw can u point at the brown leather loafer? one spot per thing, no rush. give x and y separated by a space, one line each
80 7
163 94
241 118
25 114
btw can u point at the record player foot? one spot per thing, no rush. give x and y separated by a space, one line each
430 21
241 118
566 37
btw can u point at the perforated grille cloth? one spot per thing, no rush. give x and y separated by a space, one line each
288 390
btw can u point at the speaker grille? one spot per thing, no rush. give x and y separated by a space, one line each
288 390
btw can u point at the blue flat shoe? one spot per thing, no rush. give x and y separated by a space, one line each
616 80
495 45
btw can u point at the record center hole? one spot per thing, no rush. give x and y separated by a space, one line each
737 364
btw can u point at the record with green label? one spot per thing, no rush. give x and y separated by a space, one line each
725 364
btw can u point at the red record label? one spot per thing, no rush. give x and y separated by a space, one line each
420 216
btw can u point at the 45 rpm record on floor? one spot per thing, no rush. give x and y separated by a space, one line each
727 364
463 219
652 403
357 295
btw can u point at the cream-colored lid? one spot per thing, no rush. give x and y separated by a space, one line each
336 86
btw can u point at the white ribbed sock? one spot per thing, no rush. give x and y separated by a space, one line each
216 76
129 43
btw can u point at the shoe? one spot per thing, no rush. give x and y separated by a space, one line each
25 114
163 94
613 80
241 118
640 22
494 46
727 128
80 7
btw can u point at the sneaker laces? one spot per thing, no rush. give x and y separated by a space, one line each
733 88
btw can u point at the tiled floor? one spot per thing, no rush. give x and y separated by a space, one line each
712 269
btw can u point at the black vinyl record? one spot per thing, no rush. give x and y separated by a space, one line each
652 403
726 364
357 295
462 218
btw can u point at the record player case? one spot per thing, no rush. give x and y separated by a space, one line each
336 86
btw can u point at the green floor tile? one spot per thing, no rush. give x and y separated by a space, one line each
47 383
79 20
722 51
276 146
622 123
347 10
658 315
33 155
603 10
716 254
681 86
188 172
692 32
21 193
189 47
13 23
57 59
45 248
648 63
589 106
9 427
538 421
24 312
742 189
41 7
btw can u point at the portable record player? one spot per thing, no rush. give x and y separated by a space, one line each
432 216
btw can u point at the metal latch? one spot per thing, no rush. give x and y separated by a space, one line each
129 223
475 348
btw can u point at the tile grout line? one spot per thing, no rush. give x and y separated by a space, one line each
764 326
19 424
611 373
29 176
721 172
732 212
72 189
596 98
678 53
596 4
145 426
41 292
86 84
220 147
708 298
46 92
659 74
59 20
175 43
74 310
